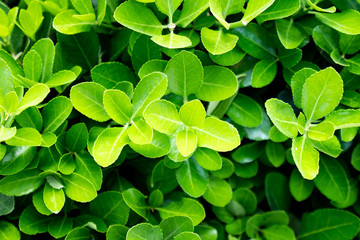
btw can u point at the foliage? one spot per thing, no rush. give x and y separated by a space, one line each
179 119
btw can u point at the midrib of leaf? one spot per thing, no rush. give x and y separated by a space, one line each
119 109
171 234
142 134
61 225
165 118
207 156
319 230
267 67
318 99
189 175
200 9
55 120
288 30
23 140
333 22
4 236
115 143
333 180
82 52
260 10
79 186
217 40
184 74
212 135
85 166
112 209
242 109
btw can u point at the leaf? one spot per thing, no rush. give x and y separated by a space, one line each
290 57
322 131
79 233
30 117
254 8
275 153
297 83
154 65
332 180
227 169
290 36
172 41
219 84
218 42
173 226
192 178
300 188
140 132
186 142
87 98
83 7
333 223
185 74
221 9
144 50
162 115
110 207
109 144
305 157
7 84
88 168
136 201
9 231
7 205
150 88
344 118
184 207
7 133
264 73
192 113
35 95
67 164
326 38
208 159
32 65
144 231
25 137
217 135
159 146
246 198
31 222
61 78
46 50
279 9
101 11
11 102
191 11
21 183
344 22
78 188
55 113
68 22
187 236
230 58
349 43
218 193
60 226
276 191
16 159
118 106
139 18
54 199
278 232
322 92
76 137
116 232
317 8
331 146
283 116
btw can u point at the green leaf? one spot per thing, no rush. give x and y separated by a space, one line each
56 111
192 113
21 183
54 199
326 38
331 146
173 226
67 164
118 106
355 159
136 201
46 50
35 95
38 202
116 232
279 9
144 231
7 133
70 22
25 137
322 131
31 222
218 42
254 8
275 152
187 236
156 198
143 50
32 65
140 132
76 137
172 41
300 188
31 117
7 84
297 83
192 178
154 65
349 43
109 144
60 226
290 57
283 116
277 191
218 193
150 88
11 102
275 232
88 168
163 116
221 9
290 36
16 159
186 142
219 84
264 73
227 169
185 74
332 180
159 146
83 7
7 205
61 78
246 198
139 18
190 11
305 157
9 231
344 118
79 233
208 159
87 98
184 207
78 188
168 7
344 22
230 58
322 92
333 223
317 8
110 207
217 135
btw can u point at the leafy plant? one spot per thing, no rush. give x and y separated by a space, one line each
179 119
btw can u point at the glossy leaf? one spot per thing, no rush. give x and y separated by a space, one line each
306 157
208 159
290 36
69 22
136 201
35 95
21 183
218 193
192 113
218 42
186 142
78 188
140 132
54 199
172 41
279 9
56 112
121 113
341 21
300 188
254 8
144 231
9 231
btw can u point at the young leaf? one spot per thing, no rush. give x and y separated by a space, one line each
290 36
109 144
83 7
46 50
300 188
25 137
32 65
192 113
218 42
172 41
279 9
35 95
208 159
218 193
344 118
139 18
54 199
70 22
322 131
7 133
88 168
9 231
144 231
222 8
190 11
297 83
345 22
330 147
118 106
264 73
283 116
186 142
305 157
154 65
219 84
136 201
78 188
140 132
56 111
61 78
322 92
159 146
21 183
254 8
168 7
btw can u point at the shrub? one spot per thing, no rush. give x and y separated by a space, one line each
124 119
